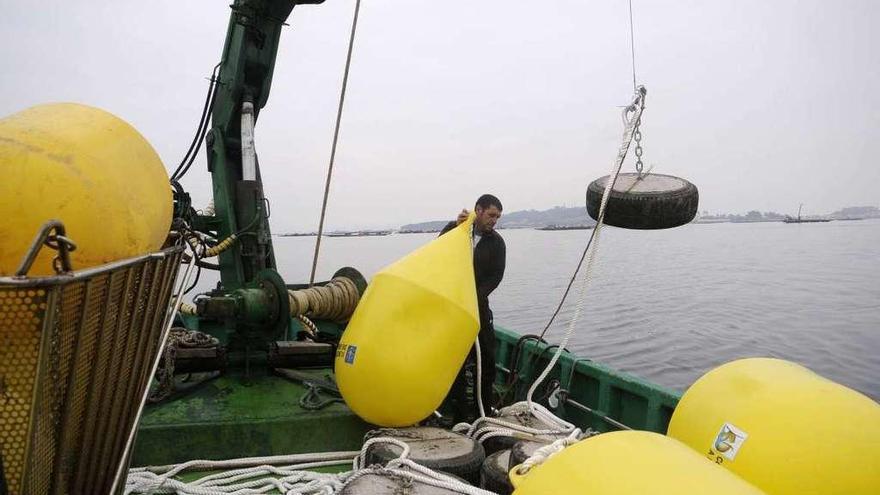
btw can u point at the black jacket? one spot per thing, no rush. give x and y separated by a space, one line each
489 262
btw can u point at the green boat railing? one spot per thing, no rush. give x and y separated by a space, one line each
587 393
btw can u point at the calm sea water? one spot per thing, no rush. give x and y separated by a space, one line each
671 305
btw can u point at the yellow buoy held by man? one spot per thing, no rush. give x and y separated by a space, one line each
628 463
783 428
88 169
411 333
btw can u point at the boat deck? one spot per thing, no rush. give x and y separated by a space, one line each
232 417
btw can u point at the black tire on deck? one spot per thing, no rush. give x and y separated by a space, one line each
493 474
523 450
495 444
381 483
656 201
435 448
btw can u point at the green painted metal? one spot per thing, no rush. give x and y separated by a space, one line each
238 416
607 393
246 69
233 416
240 208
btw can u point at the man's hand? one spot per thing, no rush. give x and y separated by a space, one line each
462 216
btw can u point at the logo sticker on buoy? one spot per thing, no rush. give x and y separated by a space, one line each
349 354
728 442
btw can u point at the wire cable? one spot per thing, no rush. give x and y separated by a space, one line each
632 44
201 130
357 8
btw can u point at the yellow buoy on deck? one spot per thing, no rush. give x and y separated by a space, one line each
783 428
88 169
410 333
629 463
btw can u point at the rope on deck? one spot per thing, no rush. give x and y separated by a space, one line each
243 476
288 474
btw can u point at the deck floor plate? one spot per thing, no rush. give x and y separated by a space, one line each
231 417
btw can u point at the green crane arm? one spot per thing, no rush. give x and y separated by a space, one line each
249 309
245 75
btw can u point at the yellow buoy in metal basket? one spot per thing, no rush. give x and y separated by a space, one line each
410 333
783 428
88 169
628 463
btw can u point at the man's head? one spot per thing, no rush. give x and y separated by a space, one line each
488 210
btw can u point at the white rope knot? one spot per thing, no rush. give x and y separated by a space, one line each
485 427
548 451
361 460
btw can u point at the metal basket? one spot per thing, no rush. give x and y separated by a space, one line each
75 357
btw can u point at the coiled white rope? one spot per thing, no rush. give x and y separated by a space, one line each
288 474
486 427
243 476
204 465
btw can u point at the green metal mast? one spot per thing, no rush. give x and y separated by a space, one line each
251 301
245 74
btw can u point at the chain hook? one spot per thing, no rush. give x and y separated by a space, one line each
51 235
637 131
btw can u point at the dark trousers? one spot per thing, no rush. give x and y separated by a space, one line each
461 403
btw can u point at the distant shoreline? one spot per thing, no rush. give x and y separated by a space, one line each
576 218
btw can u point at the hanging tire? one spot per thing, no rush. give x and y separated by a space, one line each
493 474
523 450
655 201
376 483
435 448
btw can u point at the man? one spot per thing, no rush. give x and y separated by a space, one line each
489 260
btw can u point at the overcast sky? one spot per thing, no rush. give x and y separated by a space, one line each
762 104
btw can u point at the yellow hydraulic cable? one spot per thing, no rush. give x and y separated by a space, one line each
219 248
222 246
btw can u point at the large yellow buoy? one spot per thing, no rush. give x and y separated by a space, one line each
88 169
410 333
783 428
629 463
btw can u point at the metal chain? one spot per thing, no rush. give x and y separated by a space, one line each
178 337
637 136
